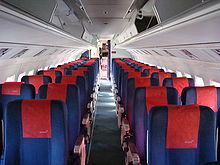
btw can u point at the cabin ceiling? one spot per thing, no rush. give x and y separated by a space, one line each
108 17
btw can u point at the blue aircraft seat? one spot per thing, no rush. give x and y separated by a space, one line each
162 75
36 133
36 81
54 74
181 135
179 83
145 98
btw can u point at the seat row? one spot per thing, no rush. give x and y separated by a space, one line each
164 119
47 117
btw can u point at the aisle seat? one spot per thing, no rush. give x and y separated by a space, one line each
207 96
80 82
181 135
69 94
134 83
146 98
45 143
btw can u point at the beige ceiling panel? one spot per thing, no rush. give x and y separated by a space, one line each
112 11
106 2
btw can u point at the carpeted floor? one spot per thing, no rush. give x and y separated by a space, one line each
105 146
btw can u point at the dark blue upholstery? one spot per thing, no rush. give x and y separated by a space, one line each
160 154
168 82
189 96
81 81
57 73
156 75
1 142
27 91
140 117
74 111
147 71
36 151
46 80
81 84
65 70
131 92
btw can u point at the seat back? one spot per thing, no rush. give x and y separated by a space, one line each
10 91
179 83
69 94
181 135
124 79
148 72
54 74
145 99
36 133
162 75
80 82
84 74
36 81
207 96
132 84
62 69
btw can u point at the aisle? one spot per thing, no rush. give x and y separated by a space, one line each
105 147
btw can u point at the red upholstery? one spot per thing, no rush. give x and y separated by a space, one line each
162 76
36 81
82 68
152 95
142 82
11 88
134 74
182 129
179 83
36 119
50 73
153 71
145 67
69 79
60 69
208 99
57 92
78 72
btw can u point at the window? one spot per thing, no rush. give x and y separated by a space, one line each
199 81
179 74
20 76
31 72
217 84
169 70
46 67
164 69
187 75
10 78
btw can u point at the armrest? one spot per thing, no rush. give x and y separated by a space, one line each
121 110
79 144
125 125
132 154
118 99
90 106
86 119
